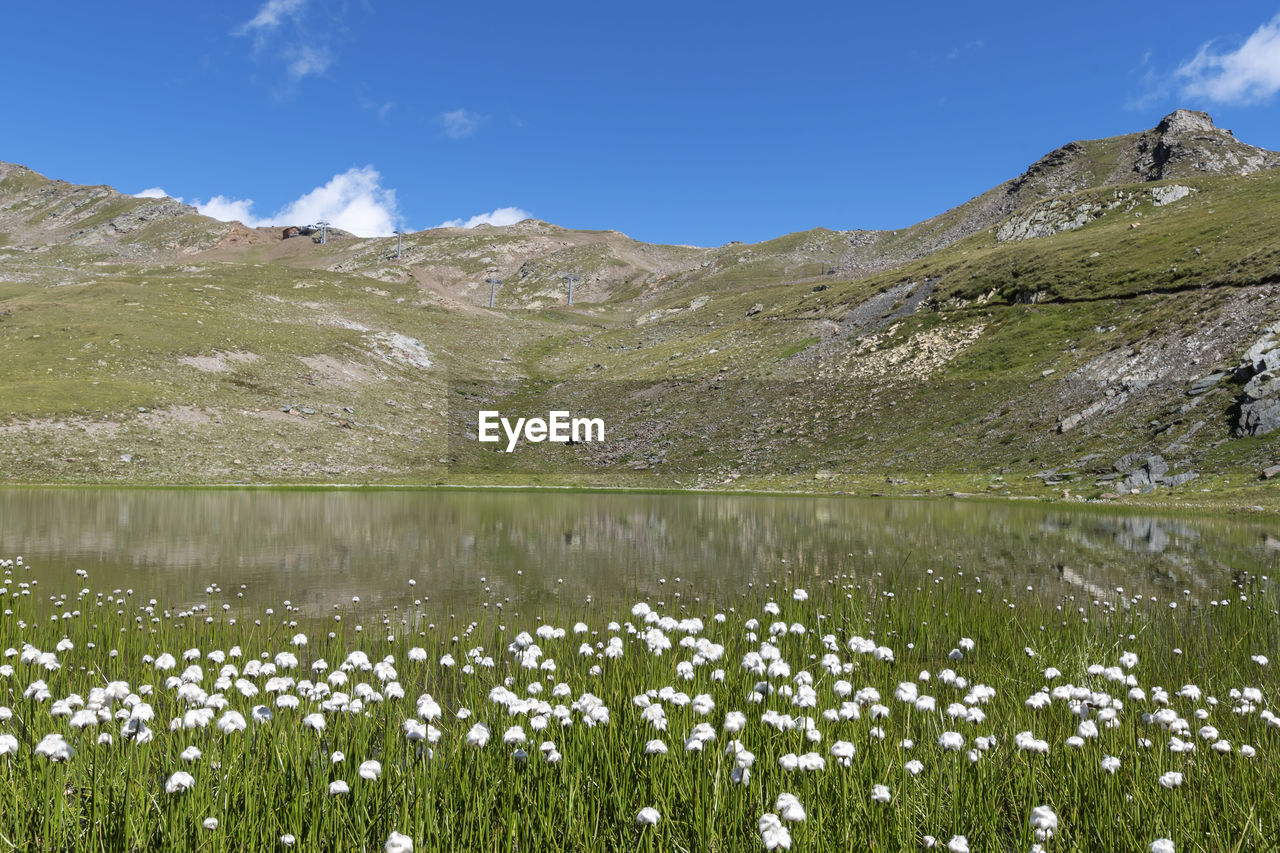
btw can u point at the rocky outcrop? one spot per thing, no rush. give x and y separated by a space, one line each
1056 215
1183 144
1169 193
1187 141
1052 217
1142 473
1260 398
140 217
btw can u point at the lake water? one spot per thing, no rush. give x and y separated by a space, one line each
532 549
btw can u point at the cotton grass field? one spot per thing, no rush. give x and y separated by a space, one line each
848 713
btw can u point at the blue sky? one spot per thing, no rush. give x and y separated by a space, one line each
673 122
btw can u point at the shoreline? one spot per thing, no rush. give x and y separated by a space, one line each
1128 505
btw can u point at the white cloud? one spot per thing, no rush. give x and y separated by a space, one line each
281 29
272 14
231 210
308 60
354 201
461 123
501 216
1248 74
152 192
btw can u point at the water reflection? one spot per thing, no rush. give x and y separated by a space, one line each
319 548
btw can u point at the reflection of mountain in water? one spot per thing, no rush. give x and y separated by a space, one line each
1164 552
1152 535
1140 534
317 548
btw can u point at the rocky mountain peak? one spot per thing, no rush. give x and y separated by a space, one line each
1183 121
1186 142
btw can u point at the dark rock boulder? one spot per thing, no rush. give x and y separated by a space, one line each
1259 417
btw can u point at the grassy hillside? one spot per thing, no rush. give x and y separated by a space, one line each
1022 353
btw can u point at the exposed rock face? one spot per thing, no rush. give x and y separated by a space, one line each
1056 215
1187 141
1264 355
125 223
1260 398
1168 194
1051 217
1125 376
1259 417
1143 473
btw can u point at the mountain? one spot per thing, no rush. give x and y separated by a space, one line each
1104 322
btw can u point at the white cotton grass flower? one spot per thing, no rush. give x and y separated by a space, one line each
958 844
83 719
1110 764
648 816
1162 845
702 733
397 843
8 744
1027 742
179 783
54 747
655 747
1044 821
774 835
232 721
190 755
478 736
880 794
338 787
370 770
210 823
789 808
288 839
843 751
1171 780
1039 701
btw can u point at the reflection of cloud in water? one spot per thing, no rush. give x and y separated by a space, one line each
322 547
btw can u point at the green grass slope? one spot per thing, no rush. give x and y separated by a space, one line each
1018 345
